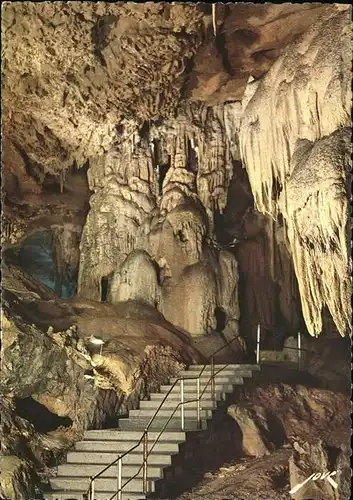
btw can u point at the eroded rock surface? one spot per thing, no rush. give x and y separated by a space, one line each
294 431
313 457
152 219
55 385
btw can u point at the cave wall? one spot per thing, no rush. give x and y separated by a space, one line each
296 149
54 385
166 109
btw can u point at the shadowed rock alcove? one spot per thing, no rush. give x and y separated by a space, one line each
36 256
39 416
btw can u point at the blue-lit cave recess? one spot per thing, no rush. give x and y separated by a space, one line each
35 256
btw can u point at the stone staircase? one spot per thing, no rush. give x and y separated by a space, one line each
101 447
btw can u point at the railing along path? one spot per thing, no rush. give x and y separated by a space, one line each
144 438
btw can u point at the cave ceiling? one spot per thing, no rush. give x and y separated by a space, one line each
175 178
74 71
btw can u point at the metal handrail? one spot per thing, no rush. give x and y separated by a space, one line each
181 404
164 427
144 437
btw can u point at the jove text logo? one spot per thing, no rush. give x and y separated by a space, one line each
317 476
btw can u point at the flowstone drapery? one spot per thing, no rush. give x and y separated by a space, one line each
296 152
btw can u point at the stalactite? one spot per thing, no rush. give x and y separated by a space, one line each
305 96
123 181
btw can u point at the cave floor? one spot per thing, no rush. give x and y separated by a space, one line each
263 478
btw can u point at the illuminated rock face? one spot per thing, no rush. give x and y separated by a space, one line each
150 229
296 150
152 101
161 188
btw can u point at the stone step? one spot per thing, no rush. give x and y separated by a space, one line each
101 447
127 471
233 380
175 396
171 404
167 412
218 367
140 423
101 484
87 457
98 495
190 388
206 375
120 447
117 435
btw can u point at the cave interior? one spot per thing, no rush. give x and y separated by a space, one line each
175 181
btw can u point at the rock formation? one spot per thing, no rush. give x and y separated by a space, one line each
152 219
54 385
300 111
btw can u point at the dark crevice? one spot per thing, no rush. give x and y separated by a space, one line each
144 131
332 457
99 34
181 236
156 152
220 42
39 416
104 288
33 169
221 319
189 79
277 434
52 185
245 37
162 172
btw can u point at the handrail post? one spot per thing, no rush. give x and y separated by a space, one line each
258 345
213 396
198 402
182 404
120 493
91 490
299 350
145 456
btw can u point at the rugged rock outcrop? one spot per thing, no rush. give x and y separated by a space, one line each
80 69
313 422
308 457
54 383
287 433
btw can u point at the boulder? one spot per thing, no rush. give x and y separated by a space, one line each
253 425
16 478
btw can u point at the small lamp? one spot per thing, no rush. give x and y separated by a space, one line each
97 342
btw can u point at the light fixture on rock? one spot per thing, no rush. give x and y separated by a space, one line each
96 341
89 374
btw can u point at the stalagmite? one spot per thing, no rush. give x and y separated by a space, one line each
175 193
127 217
